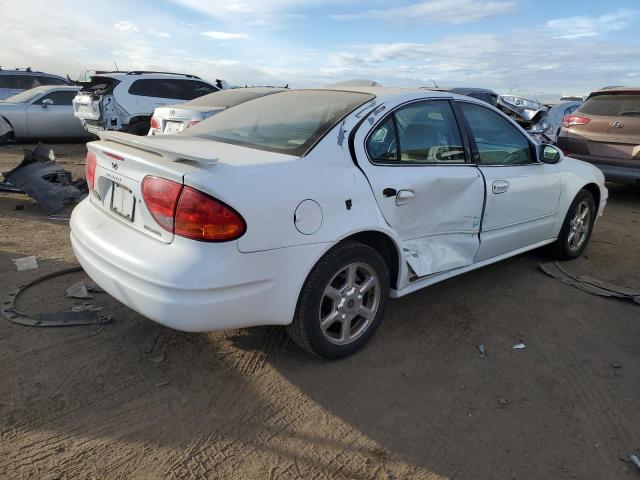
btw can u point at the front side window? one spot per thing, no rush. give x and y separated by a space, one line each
424 132
58 98
498 141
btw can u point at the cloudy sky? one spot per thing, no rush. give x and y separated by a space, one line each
567 47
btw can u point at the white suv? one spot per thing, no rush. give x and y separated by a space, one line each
126 100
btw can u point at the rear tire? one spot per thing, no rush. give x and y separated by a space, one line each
342 303
139 127
576 229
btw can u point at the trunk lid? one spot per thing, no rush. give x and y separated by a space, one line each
123 160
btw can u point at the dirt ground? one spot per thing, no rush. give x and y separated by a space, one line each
132 399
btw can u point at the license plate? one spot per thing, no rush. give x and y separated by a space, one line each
122 201
173 127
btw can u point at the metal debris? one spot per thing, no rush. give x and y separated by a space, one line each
56 319
519 346
483 350
42 179
635 458
78 290
588 284
25 263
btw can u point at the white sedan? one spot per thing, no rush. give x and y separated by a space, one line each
310 208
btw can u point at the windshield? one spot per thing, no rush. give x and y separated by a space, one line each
230 98
26 96
290 122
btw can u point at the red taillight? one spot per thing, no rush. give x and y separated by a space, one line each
571 120
190 213
90 169
155 123
201 217
193 122
161 196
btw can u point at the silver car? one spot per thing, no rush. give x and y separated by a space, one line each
175 118
41 112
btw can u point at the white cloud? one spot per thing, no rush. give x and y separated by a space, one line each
583 26
125 26
257 13
225 35
153 31
437 11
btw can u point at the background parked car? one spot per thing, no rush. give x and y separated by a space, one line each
548 127
175 118
605 131
126 100
17 80
41 112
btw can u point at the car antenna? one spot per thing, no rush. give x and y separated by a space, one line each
116 65
434 83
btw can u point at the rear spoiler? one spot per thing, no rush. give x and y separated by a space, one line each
173 148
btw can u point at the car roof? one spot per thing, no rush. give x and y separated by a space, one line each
149 75
30 72
384 93
47 88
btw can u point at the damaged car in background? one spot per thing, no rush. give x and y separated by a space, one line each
126 100
540 120
41 113
307 208
175 118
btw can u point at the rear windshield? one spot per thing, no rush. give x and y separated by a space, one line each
290 122
613 105
230 98
100 85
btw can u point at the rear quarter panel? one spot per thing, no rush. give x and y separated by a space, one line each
267 195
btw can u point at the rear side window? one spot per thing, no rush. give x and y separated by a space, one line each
42 80
498 141
614 105
143 88
11 81
424 132
170 88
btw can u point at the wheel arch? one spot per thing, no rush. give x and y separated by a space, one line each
384 245
594 190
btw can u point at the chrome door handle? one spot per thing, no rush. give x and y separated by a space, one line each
404 196
500 186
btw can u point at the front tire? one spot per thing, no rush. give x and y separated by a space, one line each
342 303
576 229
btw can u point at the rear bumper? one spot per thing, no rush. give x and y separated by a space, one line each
189 285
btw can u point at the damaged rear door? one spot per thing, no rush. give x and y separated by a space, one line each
417 167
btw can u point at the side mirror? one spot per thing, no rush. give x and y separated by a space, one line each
46 102
549 154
